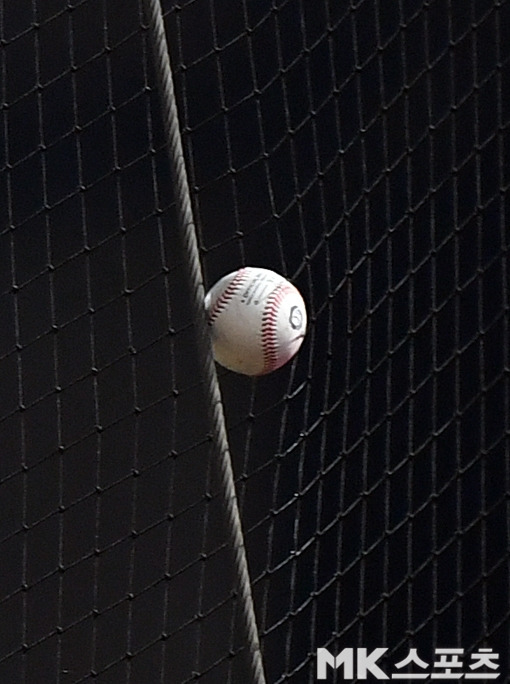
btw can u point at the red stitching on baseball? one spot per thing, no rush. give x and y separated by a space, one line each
269 320
227 294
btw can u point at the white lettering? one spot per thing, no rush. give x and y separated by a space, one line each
365 662
325 658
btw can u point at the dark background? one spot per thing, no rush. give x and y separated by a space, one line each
359 148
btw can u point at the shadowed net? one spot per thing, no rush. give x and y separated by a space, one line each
359 148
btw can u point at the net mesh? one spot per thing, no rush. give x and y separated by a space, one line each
359 148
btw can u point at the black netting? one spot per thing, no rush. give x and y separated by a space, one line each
360 149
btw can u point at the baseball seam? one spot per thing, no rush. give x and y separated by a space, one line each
228 293
269 326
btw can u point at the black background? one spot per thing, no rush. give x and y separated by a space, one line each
359 148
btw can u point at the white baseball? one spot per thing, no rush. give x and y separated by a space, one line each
257 319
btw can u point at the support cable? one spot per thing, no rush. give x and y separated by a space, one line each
196 287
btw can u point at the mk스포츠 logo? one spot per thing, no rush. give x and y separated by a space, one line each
447 663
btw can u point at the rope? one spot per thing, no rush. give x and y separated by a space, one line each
196 287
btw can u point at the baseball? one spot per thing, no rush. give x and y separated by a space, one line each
257 320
